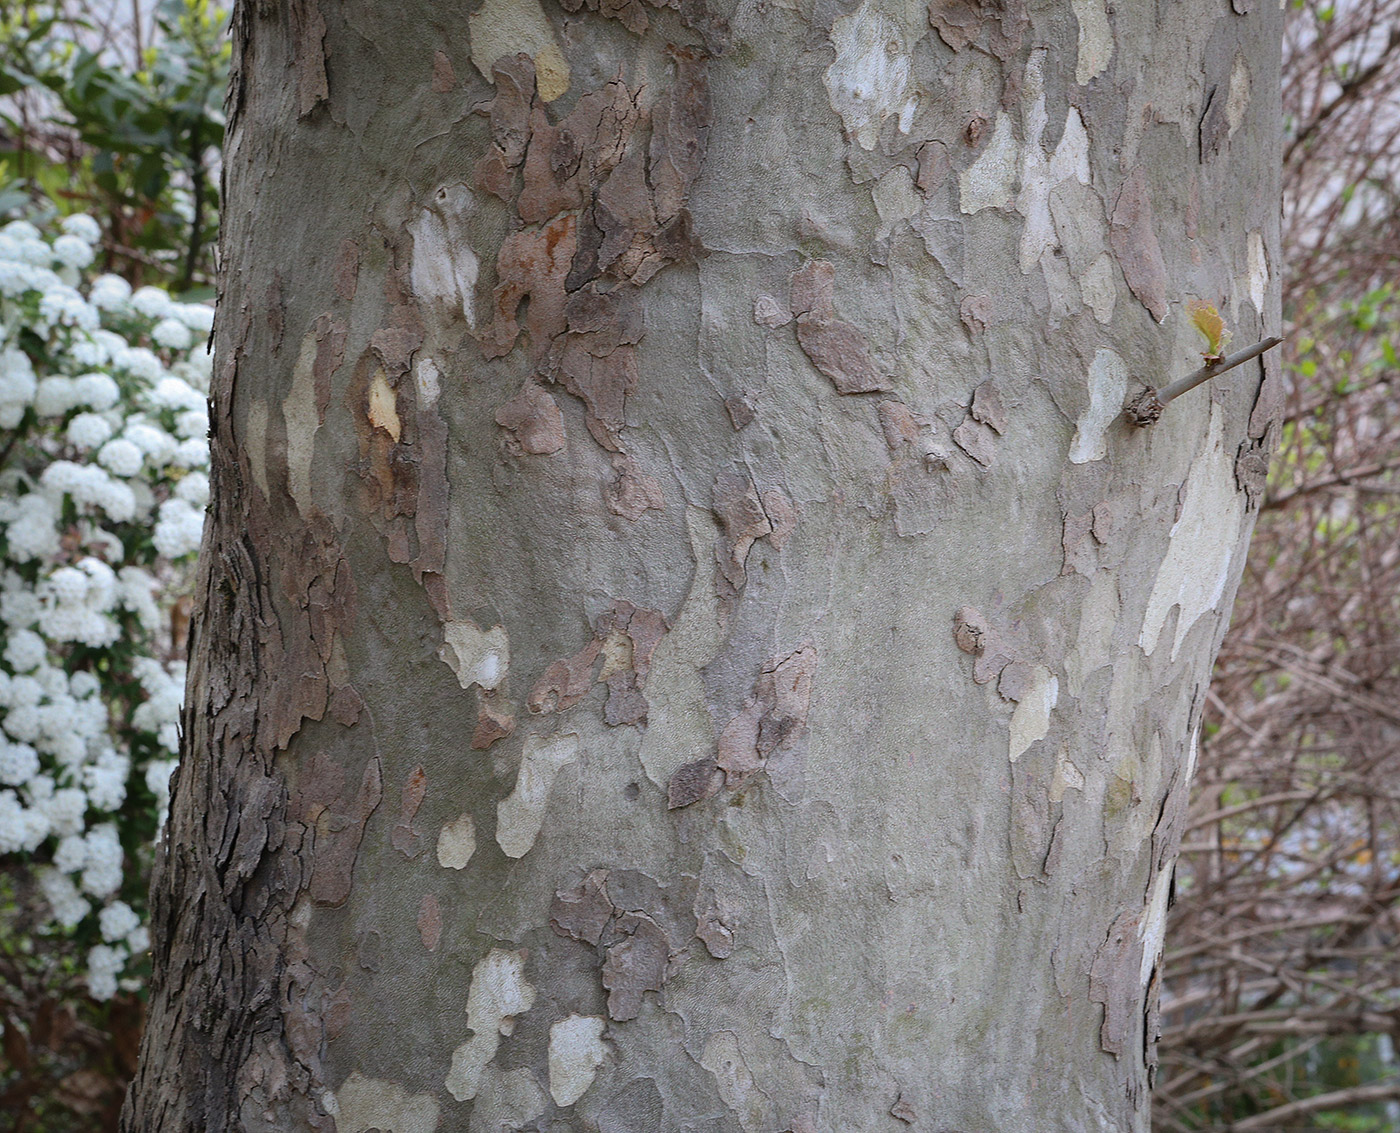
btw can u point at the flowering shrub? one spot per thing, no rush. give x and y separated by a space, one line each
103 484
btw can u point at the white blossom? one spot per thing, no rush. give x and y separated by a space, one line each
117 921
72 251
83 227
153 302
88 430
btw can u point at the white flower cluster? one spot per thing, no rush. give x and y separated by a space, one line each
103 427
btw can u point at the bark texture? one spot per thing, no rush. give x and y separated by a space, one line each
688 641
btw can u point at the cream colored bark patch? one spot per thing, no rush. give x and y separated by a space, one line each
301 421
1067 777
1237 104
1095 39
1041 171
1258 271
383 408
1108 384
576 1051
370 1103
477 656
520 816
444 268
428 381
869 80
1197 565
987 182
1099 287
1031 720
1154 924
498 994
505 27
456 842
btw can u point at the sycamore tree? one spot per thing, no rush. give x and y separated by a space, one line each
687 637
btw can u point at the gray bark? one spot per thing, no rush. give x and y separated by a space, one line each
688 639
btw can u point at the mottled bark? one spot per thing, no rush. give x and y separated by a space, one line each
688 639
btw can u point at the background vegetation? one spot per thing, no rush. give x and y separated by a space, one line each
1281 990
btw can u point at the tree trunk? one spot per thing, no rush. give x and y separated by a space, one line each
688 639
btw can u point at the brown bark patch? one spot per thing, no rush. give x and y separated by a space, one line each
309 55
692 783
430 922
772 718
625 637
337 822
404 837
444 76
533 420
1135 244
994 25
1113 982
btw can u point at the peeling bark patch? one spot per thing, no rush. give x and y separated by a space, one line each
576 1051
773 717
974 634
444 268
1198 562
1095 39
430 922
533 420
347 271
914 455
363 1105
996 25
603 210
632 492
635 964
494 720
498 993
713 927
835 347
477 657
444 76
637 952
692 783
625 637
1135 244
869 81
1035 701
987 406
743 519
520 816
988 181
456 842
308 36
404 838
583 912
977 440
1237 101
1108 385
1113 982
338 823
510 27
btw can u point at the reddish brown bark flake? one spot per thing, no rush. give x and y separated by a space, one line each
404 838
430 922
